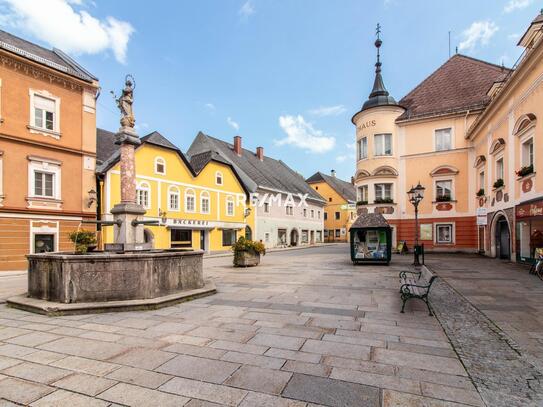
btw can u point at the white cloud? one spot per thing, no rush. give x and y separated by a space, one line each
232 123
210 106
328 110
303 135
513 5
74 31
341 158
479 32
247 10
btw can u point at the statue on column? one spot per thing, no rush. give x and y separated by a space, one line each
125 101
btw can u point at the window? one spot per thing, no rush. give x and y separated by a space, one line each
499 169
444 233
190 201
160 165
443 139
229 206
180 238
44 243
266 207
173 199
218 178
528 153
43 184
443 190
44 113
305 213
363 193
318 214
325 215
482 180
383 191
338 215
289 210
267 237
228 237
142 195
363 148
329 199
204 202
338 232
312 213
383 144
305 236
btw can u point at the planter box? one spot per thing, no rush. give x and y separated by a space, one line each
246 258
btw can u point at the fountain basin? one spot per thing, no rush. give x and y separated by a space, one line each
69 283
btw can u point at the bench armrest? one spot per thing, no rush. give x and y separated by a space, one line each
405 287
403 273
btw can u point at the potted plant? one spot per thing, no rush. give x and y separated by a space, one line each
84 241
499 183
526 170
247 252
383 200
362 203
480 192
443 198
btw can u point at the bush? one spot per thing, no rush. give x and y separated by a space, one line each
499 183
529 169
362 203
245 245
383 200
82 240
481 192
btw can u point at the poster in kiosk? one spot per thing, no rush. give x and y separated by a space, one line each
371 239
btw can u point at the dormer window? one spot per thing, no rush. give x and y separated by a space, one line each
218 178
160 166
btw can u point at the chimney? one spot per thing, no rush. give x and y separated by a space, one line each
333 173
352 180
237 145
260 153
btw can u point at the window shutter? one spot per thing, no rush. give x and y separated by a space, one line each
44 103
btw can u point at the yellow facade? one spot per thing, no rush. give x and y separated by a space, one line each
339 215
185 204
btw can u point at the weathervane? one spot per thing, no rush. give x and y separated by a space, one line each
378 43
125 101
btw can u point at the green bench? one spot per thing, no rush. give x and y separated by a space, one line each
416 284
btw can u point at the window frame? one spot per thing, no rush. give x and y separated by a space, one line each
230 204
362 188
190 193
362 146
337 215
529 140
205 196
219 175
437 226
382 196
376 144
436 188
174 191
451 144
38 164
143 186
232 241
32 126
162 162
497 174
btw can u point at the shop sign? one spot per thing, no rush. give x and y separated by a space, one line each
529 210
188 222
482 219
345 207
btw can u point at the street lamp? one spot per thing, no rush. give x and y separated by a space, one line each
416 194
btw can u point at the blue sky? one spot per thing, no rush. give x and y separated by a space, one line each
286 75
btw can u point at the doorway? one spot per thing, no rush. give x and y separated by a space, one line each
294 237
248 233
203 240
503 239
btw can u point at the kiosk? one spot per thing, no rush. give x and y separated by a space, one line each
371 239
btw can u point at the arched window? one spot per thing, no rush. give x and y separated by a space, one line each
143 195
230 205
248 233
190 200
204 202
160 166
173 198
218 178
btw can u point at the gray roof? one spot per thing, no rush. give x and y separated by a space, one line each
199 161
105 145
55 58
344 188
268 173
370 220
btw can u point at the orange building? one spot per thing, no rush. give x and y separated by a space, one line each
340 208
47 149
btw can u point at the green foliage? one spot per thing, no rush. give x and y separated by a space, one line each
362 203
481 192
245 245
528 169
383 200
82 240
499 183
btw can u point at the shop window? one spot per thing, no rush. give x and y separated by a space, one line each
529 238
338 232
204 202
305 236
383 144
363 148
190 201
443 190
142 195
218 178
229 206
228 237
160 166
173 199
444 233
282 236
370 244
528 153
180 238
443 139
44 243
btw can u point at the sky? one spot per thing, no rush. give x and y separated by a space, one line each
287 75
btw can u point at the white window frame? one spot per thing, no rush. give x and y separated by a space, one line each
43 228
218 175
383 195
174 191
530 139
204 196
436 234
189 193
362 188
56 114
37 164
437 181
382 136
289 209
362 146
482 179
498 176
160 160
230 206
144 186
451 138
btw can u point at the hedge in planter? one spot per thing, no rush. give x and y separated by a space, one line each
247 252
84 240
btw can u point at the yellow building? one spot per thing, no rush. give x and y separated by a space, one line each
200 204
340 208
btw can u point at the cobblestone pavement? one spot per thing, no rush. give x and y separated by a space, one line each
305 328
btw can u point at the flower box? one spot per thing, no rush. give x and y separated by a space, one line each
443 198
499 183
480 192
247 252
383 200
527 170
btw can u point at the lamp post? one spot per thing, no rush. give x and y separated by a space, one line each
416 194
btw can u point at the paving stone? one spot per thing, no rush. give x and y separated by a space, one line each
377 380
67 331
166 328
101 336
43 357
335 323
354 340
202 403
63 398
330 392
300 332
5 403
419 361
137 323
294 355
426 342
206 391
254 360
130 395
38 327
259 379
22 391
421 375
337 349
15 351
266 400
239 347
143 358
439 391
191 367
11 332
361 365
84 383
100 327
398 399
92 367
278 341
139 377
86 348
189 340
307 368
193 350
427 350
36 373
6 362
218 333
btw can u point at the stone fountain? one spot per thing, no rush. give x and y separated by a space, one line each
128 275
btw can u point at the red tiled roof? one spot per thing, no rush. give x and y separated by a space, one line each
459 84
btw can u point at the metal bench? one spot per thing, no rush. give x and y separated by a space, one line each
416 284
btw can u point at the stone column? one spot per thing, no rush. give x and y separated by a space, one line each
128 174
